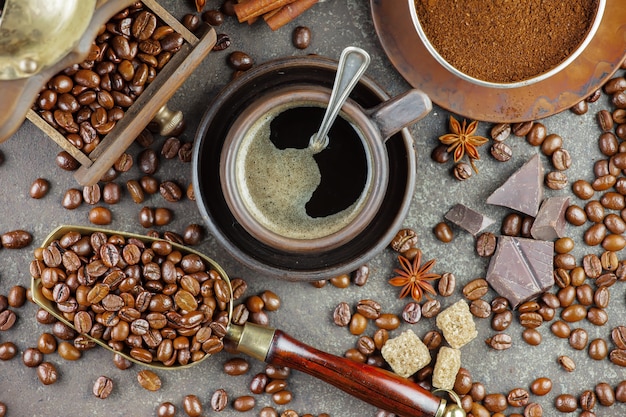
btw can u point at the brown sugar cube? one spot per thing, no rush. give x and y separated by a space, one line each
406 354
457 324
447 366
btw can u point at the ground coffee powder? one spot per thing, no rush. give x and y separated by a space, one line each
505 40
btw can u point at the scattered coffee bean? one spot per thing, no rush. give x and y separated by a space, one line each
192 405
103 387
240 61
219 400
443 232
486 244
301 37
47 373
501 151
166 409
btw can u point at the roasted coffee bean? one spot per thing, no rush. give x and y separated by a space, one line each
518 397
597 316
463 382
501 151
357 324
7 319
500 341
560 329
16 296
582 189
148 161
495 402
72 199
499 132
613 242
584 294
301 37
213 17
340 281
618 357
578 339
8 350
135 191
486 244
431 308
111 193
39 188
541 386
16 239
440 154
501 321
556 180
522 128
605 394
551 143
475 289
240 61
404 240
532 337
618 336
149 380
191 21
223 42
192 405
598 349
236 366
565 261
573 313
66 162
47 373
443 232
604 182
561 159
511 225
103 387
564 245
162 216
566 363
219 399
92 194
530 319
46 343
536 134
575 215
595 234
361 275
446 284
388 321
166 409
100 216
68 351
170 191
370 309
480 308
566 403
462 171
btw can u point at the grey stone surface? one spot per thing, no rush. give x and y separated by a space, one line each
306 311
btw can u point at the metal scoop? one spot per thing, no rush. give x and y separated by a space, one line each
352 65
374 385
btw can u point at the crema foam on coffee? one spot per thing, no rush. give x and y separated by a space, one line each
276 184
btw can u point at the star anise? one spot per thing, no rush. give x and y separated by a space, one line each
413 277
462 140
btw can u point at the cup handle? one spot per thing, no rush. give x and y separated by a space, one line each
401 111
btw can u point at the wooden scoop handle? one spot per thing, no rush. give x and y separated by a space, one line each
376 386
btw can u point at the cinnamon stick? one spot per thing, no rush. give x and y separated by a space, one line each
288 13
254 8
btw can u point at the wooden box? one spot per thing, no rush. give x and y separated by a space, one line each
150 103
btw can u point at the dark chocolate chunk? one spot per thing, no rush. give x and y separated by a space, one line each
523 191
521 269
468 219
550 221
